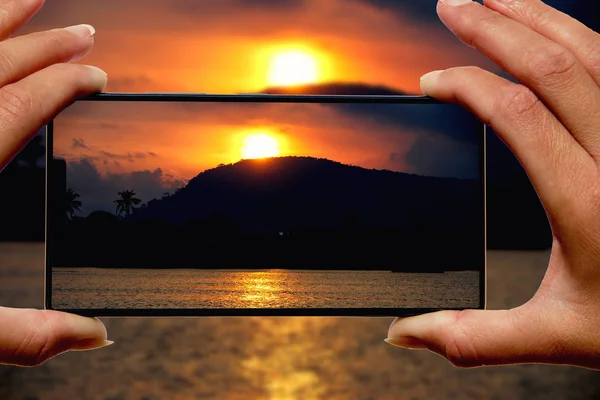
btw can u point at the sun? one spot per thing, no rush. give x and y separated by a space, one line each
293 68
260 145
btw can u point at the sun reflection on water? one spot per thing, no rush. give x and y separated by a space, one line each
261 288
286 365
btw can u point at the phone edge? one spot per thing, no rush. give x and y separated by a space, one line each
248 312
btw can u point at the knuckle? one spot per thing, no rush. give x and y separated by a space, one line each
459 348
515 101
550 63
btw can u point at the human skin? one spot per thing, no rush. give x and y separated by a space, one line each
551 122
37 80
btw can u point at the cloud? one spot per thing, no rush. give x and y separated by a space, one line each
105 125
198 7
128 156
446 120
337 88
97 191
129 84
397 158
421 10
79 144
443 157
94 153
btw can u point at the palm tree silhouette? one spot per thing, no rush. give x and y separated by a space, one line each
72 203
126 204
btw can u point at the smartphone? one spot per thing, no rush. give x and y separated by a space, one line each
264 205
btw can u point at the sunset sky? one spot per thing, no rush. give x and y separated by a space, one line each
157 147
229 46
247 46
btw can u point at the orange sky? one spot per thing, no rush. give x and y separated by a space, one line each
230 46
187 139
227 46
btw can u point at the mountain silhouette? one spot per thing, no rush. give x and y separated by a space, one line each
289 213
278 194
336 88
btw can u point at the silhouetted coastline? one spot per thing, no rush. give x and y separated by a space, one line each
284 213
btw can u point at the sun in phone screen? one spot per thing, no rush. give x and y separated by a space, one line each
260 145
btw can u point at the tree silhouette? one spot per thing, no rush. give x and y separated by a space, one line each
72 203
126 204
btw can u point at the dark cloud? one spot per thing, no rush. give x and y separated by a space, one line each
79 144
421 10
105 125
397 158
337 88
218 7
424 10
444 119
129 84
128 156
447 120
435 156
97 192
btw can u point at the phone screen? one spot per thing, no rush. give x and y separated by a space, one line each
250 207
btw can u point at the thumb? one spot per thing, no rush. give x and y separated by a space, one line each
472 338
31 337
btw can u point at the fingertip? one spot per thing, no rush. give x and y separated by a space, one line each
394 322
98 76
429 82
37 336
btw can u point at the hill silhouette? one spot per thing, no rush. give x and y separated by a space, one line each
336 88
277 194
290 213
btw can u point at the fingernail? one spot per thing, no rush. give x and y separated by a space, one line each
84 31
97 71
99 76
86 345
406 342
455 2
429 80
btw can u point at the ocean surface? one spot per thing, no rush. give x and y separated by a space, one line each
276 358
184 288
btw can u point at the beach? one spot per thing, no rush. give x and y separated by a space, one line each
275 358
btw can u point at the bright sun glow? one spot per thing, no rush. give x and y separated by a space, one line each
260 145
293 68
